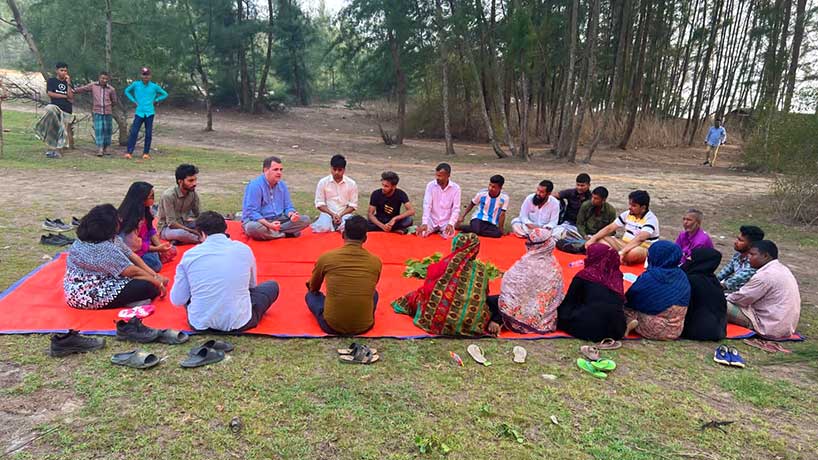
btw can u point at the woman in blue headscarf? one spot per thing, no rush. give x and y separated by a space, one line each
660 296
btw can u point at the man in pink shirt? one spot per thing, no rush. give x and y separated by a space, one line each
441 204
692 236
104 96
769 303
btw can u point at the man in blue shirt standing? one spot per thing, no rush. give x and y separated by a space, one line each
267 210
143 93
715 137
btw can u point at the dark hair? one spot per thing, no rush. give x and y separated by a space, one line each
211 223
391 177
60 65
133 209
270 160
104 72
752 232
497 179
549 186
640 197
338 161
601 192
583 178
355 228
184 171
100 224
766 247
444 167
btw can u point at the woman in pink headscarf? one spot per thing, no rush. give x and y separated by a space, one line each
532 288
593 308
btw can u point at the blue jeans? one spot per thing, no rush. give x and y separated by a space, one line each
152 260
135 127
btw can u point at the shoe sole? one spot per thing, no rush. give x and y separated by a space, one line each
71 351
722 361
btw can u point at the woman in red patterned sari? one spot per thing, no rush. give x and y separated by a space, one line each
452 300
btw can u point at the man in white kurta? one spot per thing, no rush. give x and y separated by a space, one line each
336 196
441 204
539 210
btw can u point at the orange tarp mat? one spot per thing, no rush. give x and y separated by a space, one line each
36 304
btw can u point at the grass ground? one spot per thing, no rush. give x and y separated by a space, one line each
294 400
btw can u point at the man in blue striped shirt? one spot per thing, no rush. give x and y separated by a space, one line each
715 137
490 216
267 211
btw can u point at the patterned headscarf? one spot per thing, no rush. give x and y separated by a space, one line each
532 288
452 300
602 267
663 284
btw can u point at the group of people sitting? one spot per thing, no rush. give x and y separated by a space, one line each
118 254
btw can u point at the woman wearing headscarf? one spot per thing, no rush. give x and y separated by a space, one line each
532 288
706 317
593 308
660 296
452 300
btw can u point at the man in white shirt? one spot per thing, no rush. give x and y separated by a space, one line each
216 281
441 204
336 196
539 210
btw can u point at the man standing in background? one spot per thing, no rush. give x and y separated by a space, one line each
715 137
104 96
144 93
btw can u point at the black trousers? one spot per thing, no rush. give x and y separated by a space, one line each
134 291
482 228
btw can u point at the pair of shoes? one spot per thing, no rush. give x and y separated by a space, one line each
72 342
728 357
135 331
597 368
209 352
53 154
55 240
358 354
56 225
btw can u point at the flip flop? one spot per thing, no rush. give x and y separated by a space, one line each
172 337
606 365
589 351
587 367
519 354
202 356
609 344
218 345
477 354
136 359
353 347
363 356
140 312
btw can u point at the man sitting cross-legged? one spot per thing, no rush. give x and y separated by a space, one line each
351 273
490 216
179 208
336 196
267 210
441 204
692 236
384 207
769 303
539 210
738 271
641 229
216 281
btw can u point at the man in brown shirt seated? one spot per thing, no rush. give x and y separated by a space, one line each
351 273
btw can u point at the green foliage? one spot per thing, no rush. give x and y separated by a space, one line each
432 443
504 430
417 268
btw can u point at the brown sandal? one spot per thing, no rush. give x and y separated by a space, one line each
609 344
590 352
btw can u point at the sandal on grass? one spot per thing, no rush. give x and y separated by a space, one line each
202 356
363 356
219 345
173 337
477 354
587 367
605 365
353 348
589 351
519 354
609 344
136 359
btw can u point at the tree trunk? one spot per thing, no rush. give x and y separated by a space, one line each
2 97
797 38
244 74
590 75
484 112
268 59
197 49
564 140
444 57
26 34
524 116
711 44
400 78
636 82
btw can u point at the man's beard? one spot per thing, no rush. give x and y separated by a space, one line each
538 201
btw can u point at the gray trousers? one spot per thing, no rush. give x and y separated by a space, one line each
179 235
257 231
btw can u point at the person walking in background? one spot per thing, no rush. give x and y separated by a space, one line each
715 137
144 93
104 96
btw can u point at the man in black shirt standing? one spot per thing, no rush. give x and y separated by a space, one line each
384 207
62 95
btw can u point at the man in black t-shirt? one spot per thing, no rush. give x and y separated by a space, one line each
384 207
62 95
